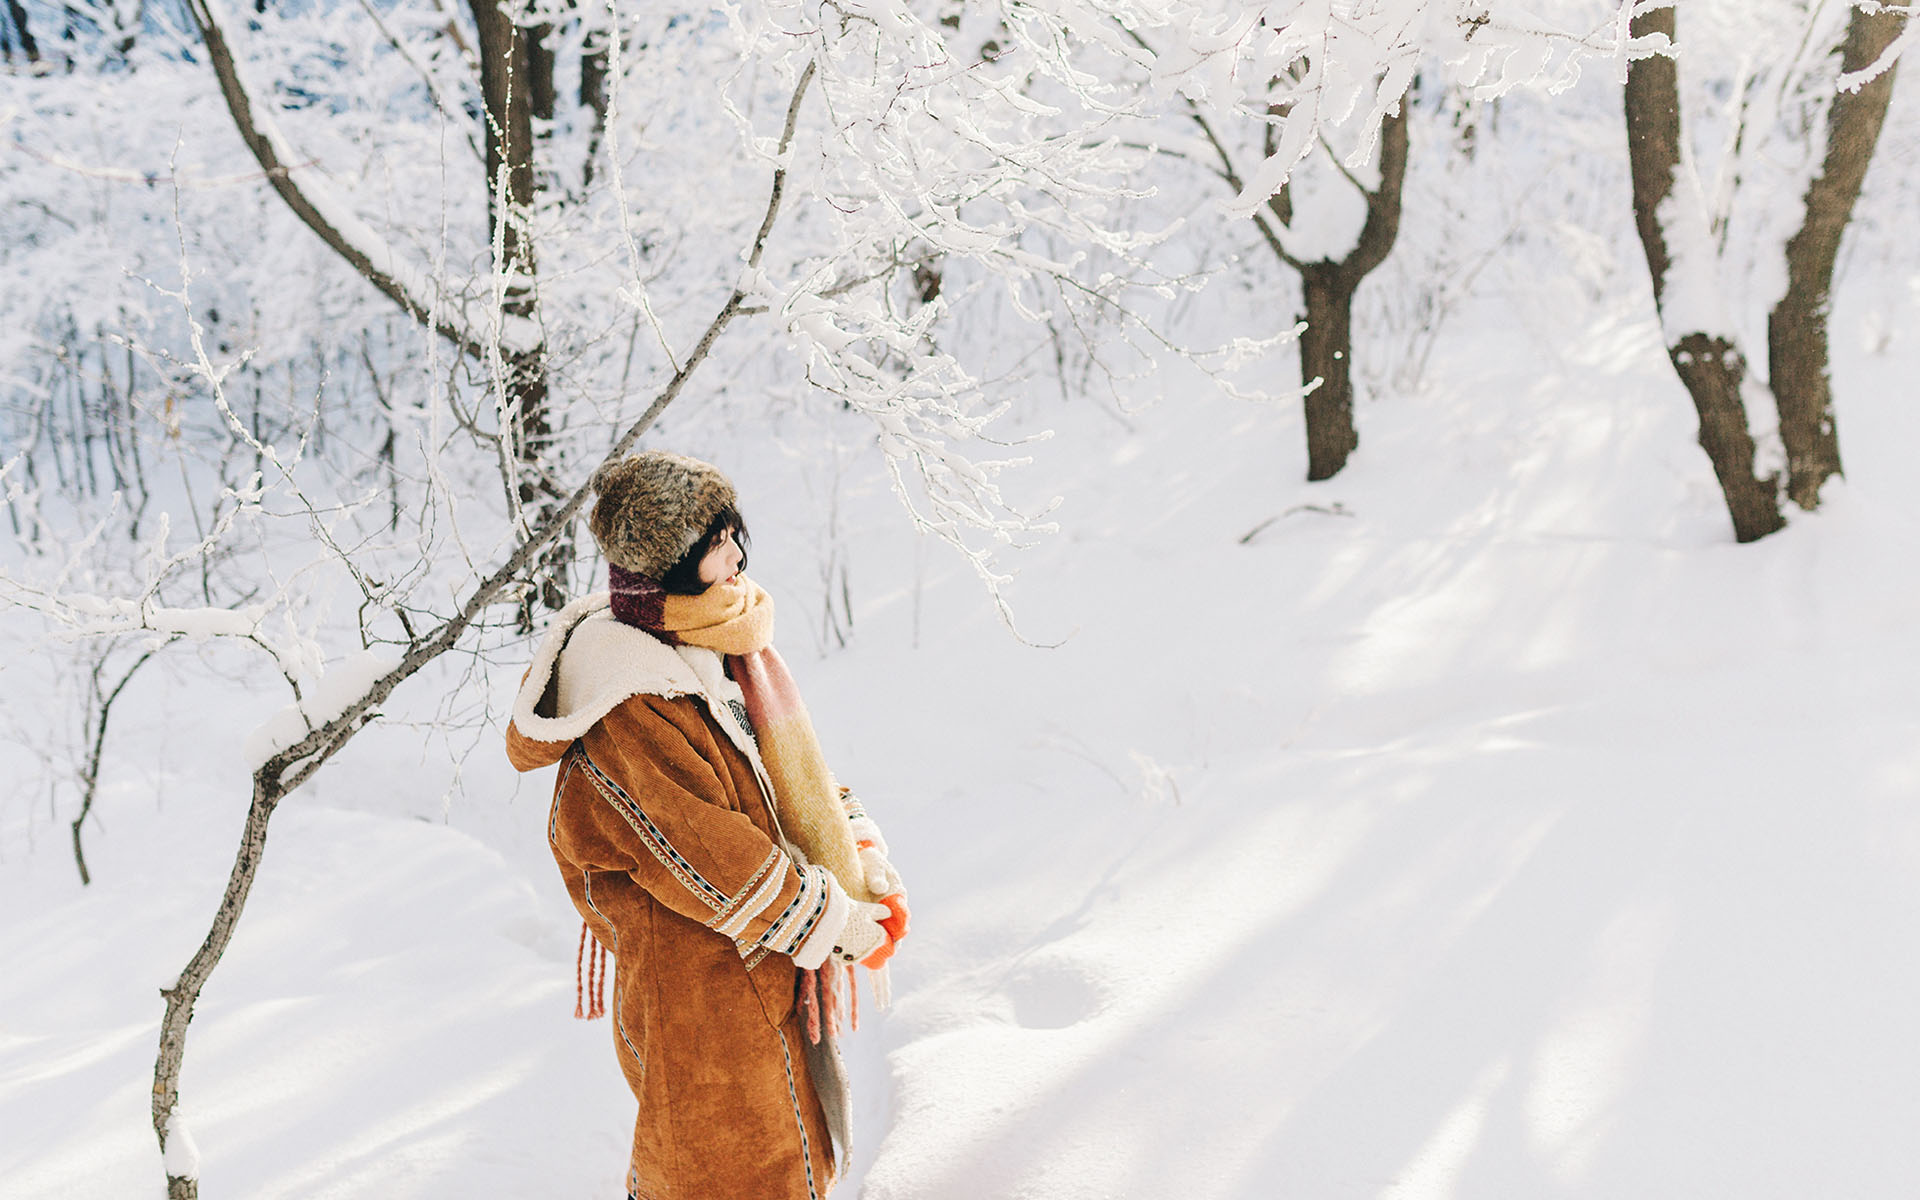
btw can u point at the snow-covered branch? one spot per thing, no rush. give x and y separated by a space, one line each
418 293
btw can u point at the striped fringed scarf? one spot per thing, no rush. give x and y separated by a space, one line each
735 619
818 995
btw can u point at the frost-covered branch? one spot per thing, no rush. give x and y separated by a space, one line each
417 293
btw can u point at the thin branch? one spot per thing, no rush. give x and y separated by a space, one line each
1341 167
377 264
426 77
1228 171
90 775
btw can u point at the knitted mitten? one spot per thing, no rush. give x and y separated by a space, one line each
864 939
881 878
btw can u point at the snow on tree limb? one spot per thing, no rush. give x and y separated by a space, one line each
418 293
1305 67
1853 81
180 1155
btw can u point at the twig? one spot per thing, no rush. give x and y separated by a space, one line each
90 775
264 140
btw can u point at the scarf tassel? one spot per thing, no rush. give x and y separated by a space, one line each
821 1003
589 977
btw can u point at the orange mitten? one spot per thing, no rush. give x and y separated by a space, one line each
895 925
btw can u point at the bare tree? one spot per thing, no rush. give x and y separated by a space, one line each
1709 363
515 65
1326 345
1328 284
514 92
418 294
1297 87
1702 345
100 699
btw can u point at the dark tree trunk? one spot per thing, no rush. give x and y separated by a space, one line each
1710 367
540 67
1797 327
505 53
1327 288
22 34
1326 351
594 65
504 85
504 76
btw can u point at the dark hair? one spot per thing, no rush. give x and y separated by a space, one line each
683 578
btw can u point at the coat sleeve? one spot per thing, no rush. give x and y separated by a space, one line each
643 800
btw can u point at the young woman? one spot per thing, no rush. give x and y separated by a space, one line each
706 845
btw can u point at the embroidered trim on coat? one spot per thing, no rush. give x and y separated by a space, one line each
653 838
799 1119
559 790
619 996
753 898
798 918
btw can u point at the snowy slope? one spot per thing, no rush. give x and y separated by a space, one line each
1514 834
1502 831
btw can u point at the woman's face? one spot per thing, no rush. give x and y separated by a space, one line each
722 562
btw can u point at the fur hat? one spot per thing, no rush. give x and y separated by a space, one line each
654 507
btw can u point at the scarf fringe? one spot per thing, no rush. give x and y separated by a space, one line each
820 1002
589 977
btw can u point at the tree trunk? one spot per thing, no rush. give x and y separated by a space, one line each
1797 327
1326 348
1710 367
1326 352
506 87
21 32
593 96
180 998
543 94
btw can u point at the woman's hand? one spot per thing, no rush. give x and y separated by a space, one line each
865 939
881 878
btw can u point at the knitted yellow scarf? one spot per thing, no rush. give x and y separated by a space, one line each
736 619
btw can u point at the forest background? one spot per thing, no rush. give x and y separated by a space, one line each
1488 770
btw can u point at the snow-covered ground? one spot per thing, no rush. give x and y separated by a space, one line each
1483 823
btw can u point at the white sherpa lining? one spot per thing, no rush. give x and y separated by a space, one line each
605 663
589 663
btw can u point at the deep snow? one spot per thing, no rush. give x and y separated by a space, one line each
1484 825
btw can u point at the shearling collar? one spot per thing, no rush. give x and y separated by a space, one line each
588 663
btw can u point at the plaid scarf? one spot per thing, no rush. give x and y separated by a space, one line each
735 619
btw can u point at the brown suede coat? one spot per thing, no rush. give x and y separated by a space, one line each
667 845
